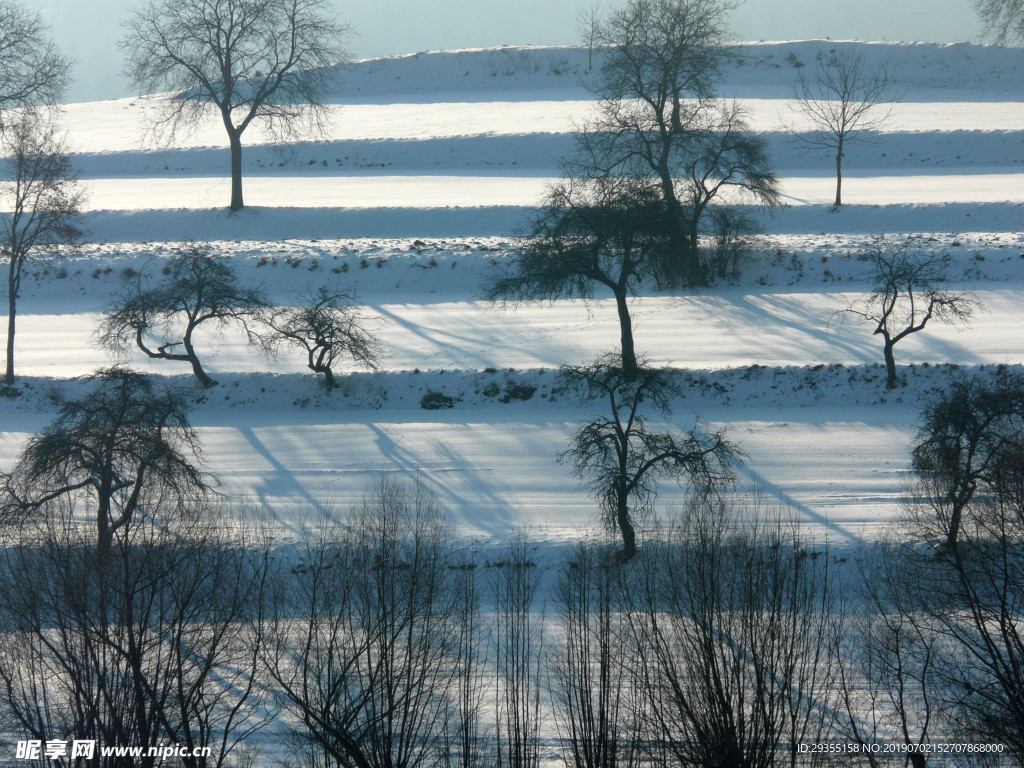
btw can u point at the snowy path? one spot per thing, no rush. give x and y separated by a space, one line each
430 191
495 477
714 330
114 126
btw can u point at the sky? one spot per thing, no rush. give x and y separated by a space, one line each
87 30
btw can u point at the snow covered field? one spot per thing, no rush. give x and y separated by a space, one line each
429 169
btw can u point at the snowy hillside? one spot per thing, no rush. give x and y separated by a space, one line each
430 167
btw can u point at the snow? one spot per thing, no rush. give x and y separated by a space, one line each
431 166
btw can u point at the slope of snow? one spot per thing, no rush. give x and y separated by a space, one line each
451 151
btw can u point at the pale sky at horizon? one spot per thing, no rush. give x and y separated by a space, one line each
87 30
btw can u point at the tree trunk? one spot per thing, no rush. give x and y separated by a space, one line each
955 519
197 368
235 139
629 363
693 270
12 298
890 366
329 380
104 534
839 174
681 267
628 551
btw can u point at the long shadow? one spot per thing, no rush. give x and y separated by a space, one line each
266 223
460 345
281 482
507 154
501 516
803 327
890 154
759 482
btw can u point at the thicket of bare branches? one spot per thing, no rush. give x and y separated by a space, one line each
157 643
728 640
518 652
248 61
363 634
1003 19
732 623
595 699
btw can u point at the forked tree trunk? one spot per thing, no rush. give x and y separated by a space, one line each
329 381
197 368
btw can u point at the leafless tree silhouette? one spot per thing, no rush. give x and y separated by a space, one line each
844 99
199 288
906 294
327 326
966 436
253 61
364 636
159 644
732 631
43 198
32 70
658 117
1003 19
125 448
588 27
597 231
620 458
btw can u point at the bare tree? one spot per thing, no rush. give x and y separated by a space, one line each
887 660
959 450
732 630
469 745
44 201
969 598
125 448
363 634
596 231
253 61
588 27
596 704
658 117
518 658
844 99
32 71
327 327
906 294
199 288
1004 19
620 458
158 645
